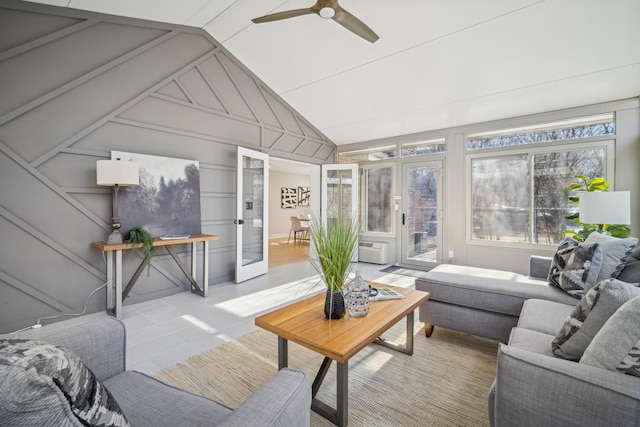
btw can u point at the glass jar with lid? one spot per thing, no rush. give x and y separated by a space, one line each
356 296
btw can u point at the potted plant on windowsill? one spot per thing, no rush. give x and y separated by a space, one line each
333 245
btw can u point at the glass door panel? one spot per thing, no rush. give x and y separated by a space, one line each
252 214
339 193
421 242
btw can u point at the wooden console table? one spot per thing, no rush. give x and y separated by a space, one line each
114 267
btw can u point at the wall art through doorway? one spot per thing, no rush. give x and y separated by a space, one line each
304 196
289 197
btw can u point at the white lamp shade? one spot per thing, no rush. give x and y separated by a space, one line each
605 207
112 172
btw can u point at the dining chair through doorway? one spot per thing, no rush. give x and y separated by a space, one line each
300 232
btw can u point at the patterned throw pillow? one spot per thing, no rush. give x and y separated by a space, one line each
575 267
615 253
631 271
617 346
43 384
591 313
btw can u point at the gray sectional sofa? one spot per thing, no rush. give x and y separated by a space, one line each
29 397
533 386
482 301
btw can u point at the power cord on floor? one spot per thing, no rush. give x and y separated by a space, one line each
38 325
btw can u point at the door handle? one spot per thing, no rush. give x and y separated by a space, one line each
239 221
403 219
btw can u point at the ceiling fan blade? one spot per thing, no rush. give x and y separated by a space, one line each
283 15
354 25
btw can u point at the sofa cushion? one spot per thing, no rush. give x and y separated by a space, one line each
617 345
575 267
590 315
631 271
534 341
150 402
544 316
43 384
615 253
486 289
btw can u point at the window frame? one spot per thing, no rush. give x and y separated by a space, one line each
607 143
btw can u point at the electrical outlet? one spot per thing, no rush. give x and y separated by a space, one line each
450 254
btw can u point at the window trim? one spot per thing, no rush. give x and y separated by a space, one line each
608 144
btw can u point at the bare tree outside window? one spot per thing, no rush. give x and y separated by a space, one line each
504 207
521 197
500 198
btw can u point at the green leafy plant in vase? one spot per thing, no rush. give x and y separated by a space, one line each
139 235
589 185
333 246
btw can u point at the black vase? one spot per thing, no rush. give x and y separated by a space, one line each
334 305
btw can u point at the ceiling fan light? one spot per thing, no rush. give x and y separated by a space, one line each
327 12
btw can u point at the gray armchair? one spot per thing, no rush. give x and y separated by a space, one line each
284 400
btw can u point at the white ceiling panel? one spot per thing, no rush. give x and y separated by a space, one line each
605 86
437 64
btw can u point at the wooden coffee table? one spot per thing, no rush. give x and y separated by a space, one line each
304 323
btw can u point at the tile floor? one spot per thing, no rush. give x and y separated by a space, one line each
165 331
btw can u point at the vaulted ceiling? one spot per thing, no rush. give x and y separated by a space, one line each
437 64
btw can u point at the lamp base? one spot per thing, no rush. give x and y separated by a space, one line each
115 238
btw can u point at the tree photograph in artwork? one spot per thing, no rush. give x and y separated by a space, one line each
167 200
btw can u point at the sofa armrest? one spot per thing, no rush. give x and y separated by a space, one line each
533 390
99 343
539 266
284 400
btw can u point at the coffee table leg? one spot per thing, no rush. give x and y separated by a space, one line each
408 347
339 415
283 353
342 394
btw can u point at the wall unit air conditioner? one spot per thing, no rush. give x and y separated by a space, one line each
376 253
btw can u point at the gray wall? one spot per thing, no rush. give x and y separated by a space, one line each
76 85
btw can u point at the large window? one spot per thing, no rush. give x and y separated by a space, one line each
517 193
376 186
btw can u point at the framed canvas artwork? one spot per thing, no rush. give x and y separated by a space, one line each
288 198
304 196
167 200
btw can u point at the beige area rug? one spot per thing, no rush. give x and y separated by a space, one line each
444 383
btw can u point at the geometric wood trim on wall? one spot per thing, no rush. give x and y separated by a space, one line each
76 85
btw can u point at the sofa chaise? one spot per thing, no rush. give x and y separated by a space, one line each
567 359
31 397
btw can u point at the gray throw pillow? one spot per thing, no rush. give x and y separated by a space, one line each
631 271
575 267
591 313
615 253
617 346
43 384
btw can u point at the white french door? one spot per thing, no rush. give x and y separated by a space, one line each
252 214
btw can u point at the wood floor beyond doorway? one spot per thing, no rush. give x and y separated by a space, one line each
281 252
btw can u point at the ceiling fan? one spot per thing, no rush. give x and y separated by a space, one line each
328 9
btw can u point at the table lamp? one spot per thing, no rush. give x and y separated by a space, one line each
605 207
116 173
